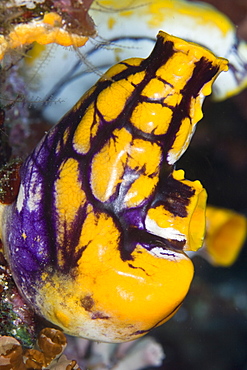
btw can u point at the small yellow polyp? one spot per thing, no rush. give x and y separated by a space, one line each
225 236
53 19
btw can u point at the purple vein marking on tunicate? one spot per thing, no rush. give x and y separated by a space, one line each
173 195
48 164
138 268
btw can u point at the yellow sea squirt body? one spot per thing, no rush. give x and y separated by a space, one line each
85 239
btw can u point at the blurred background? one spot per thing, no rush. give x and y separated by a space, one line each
209 332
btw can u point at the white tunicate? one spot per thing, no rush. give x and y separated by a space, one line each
30 4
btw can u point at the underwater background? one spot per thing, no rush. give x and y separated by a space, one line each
209 332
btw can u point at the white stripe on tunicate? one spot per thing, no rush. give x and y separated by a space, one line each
130 275
30 4
167 254
34 200
166 232
20 199
35 193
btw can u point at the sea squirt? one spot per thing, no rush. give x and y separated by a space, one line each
96 237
